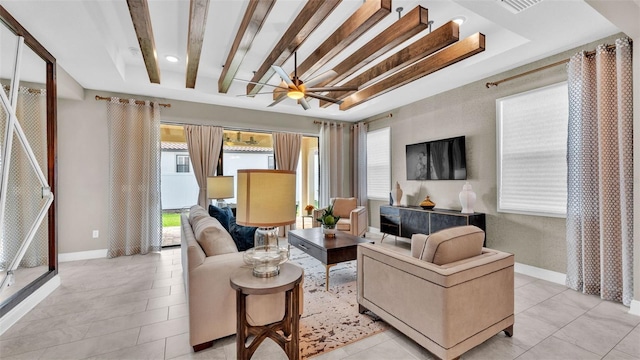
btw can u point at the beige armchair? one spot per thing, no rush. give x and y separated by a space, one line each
353 218
449 296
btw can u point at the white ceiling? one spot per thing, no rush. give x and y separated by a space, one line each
93 42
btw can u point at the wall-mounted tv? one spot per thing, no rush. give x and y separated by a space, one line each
437 160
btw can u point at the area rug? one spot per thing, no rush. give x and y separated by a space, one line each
330 318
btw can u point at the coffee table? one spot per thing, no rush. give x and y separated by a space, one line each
330 251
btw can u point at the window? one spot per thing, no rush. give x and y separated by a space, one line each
532 151
379 164
182 163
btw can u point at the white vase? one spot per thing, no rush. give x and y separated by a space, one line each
467 199
396 195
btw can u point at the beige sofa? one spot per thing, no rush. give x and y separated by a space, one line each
353 218
211 300
449 296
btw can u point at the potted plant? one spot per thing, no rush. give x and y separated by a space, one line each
328 221
309 208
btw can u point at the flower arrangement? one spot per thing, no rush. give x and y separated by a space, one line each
309 208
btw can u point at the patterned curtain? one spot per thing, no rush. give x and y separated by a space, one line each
331 162
204 144
286 149
600 173
359 162
135 224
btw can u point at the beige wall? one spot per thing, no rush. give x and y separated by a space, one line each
83 158
471 111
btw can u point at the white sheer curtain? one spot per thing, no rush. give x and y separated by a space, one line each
286 149
359 162
135 211
600 173
204 144
331 162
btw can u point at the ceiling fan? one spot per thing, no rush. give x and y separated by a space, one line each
297 89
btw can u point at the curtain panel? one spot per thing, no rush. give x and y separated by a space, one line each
359 162
204 144
331 162
135 210
600 173
286 149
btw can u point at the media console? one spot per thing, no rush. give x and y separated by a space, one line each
405 221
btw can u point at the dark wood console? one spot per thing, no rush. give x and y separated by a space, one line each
405 221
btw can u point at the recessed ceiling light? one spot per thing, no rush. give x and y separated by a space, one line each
459 20
171 58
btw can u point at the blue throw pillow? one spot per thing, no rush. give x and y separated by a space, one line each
242 235
223 215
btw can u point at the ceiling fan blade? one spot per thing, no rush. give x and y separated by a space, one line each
277 101
283 74
325 76
252 95
325 98
334 88
259 83
304 103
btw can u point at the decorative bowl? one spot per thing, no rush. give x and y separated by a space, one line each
329 230
266 259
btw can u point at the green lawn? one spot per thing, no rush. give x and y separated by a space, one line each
170 219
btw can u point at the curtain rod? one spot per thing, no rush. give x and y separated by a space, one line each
389 115
29 90
496 83
139 102
332 123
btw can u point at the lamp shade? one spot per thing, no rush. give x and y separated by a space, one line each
266 198
220 187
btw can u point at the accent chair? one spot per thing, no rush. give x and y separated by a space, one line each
353 218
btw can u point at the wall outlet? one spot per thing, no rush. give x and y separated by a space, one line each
96 233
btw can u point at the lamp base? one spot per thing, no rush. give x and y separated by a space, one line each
219 203
266 254
266 236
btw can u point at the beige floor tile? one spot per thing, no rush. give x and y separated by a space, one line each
366 343
619 355
176 311
528 331
413 347
149 351
577 299
336 354
165 301
555 312
177 346
521 280
174 280
631 343
93 346
208 354
31 355
498 347
553 348
99 328
596 334
38 341
383 351
178 289
163 330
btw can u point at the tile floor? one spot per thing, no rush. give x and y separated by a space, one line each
134 308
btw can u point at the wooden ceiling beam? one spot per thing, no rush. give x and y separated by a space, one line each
139 11
198 10
367 15
406 27
252 22
438 39
459 51
309 18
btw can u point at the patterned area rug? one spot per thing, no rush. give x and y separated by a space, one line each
331 319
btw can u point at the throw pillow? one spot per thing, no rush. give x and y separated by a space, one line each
242 235
223 215
196 212
213 238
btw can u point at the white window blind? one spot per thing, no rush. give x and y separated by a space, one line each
532 151
379 164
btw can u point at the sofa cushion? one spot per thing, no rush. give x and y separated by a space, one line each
213 238
344 224
196 212
453 244
342 206
222 214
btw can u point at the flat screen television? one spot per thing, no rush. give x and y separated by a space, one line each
437 160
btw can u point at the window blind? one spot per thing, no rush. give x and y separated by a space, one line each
532 151
379 164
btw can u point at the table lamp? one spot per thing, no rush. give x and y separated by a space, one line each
266 199
220 188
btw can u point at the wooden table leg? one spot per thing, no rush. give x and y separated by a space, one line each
295 324
241 331
328 267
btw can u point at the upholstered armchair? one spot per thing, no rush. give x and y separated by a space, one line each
353 218
449 296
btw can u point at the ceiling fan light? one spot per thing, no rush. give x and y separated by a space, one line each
295 94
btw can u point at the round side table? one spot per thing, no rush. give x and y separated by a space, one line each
283 332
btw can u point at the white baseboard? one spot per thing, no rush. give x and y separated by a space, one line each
82 255
634 309
544 274
27 304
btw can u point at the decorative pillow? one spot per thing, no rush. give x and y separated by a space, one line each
223 215
453 244
196 212
242 235
213 238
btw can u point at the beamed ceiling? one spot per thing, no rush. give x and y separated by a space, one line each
226 49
